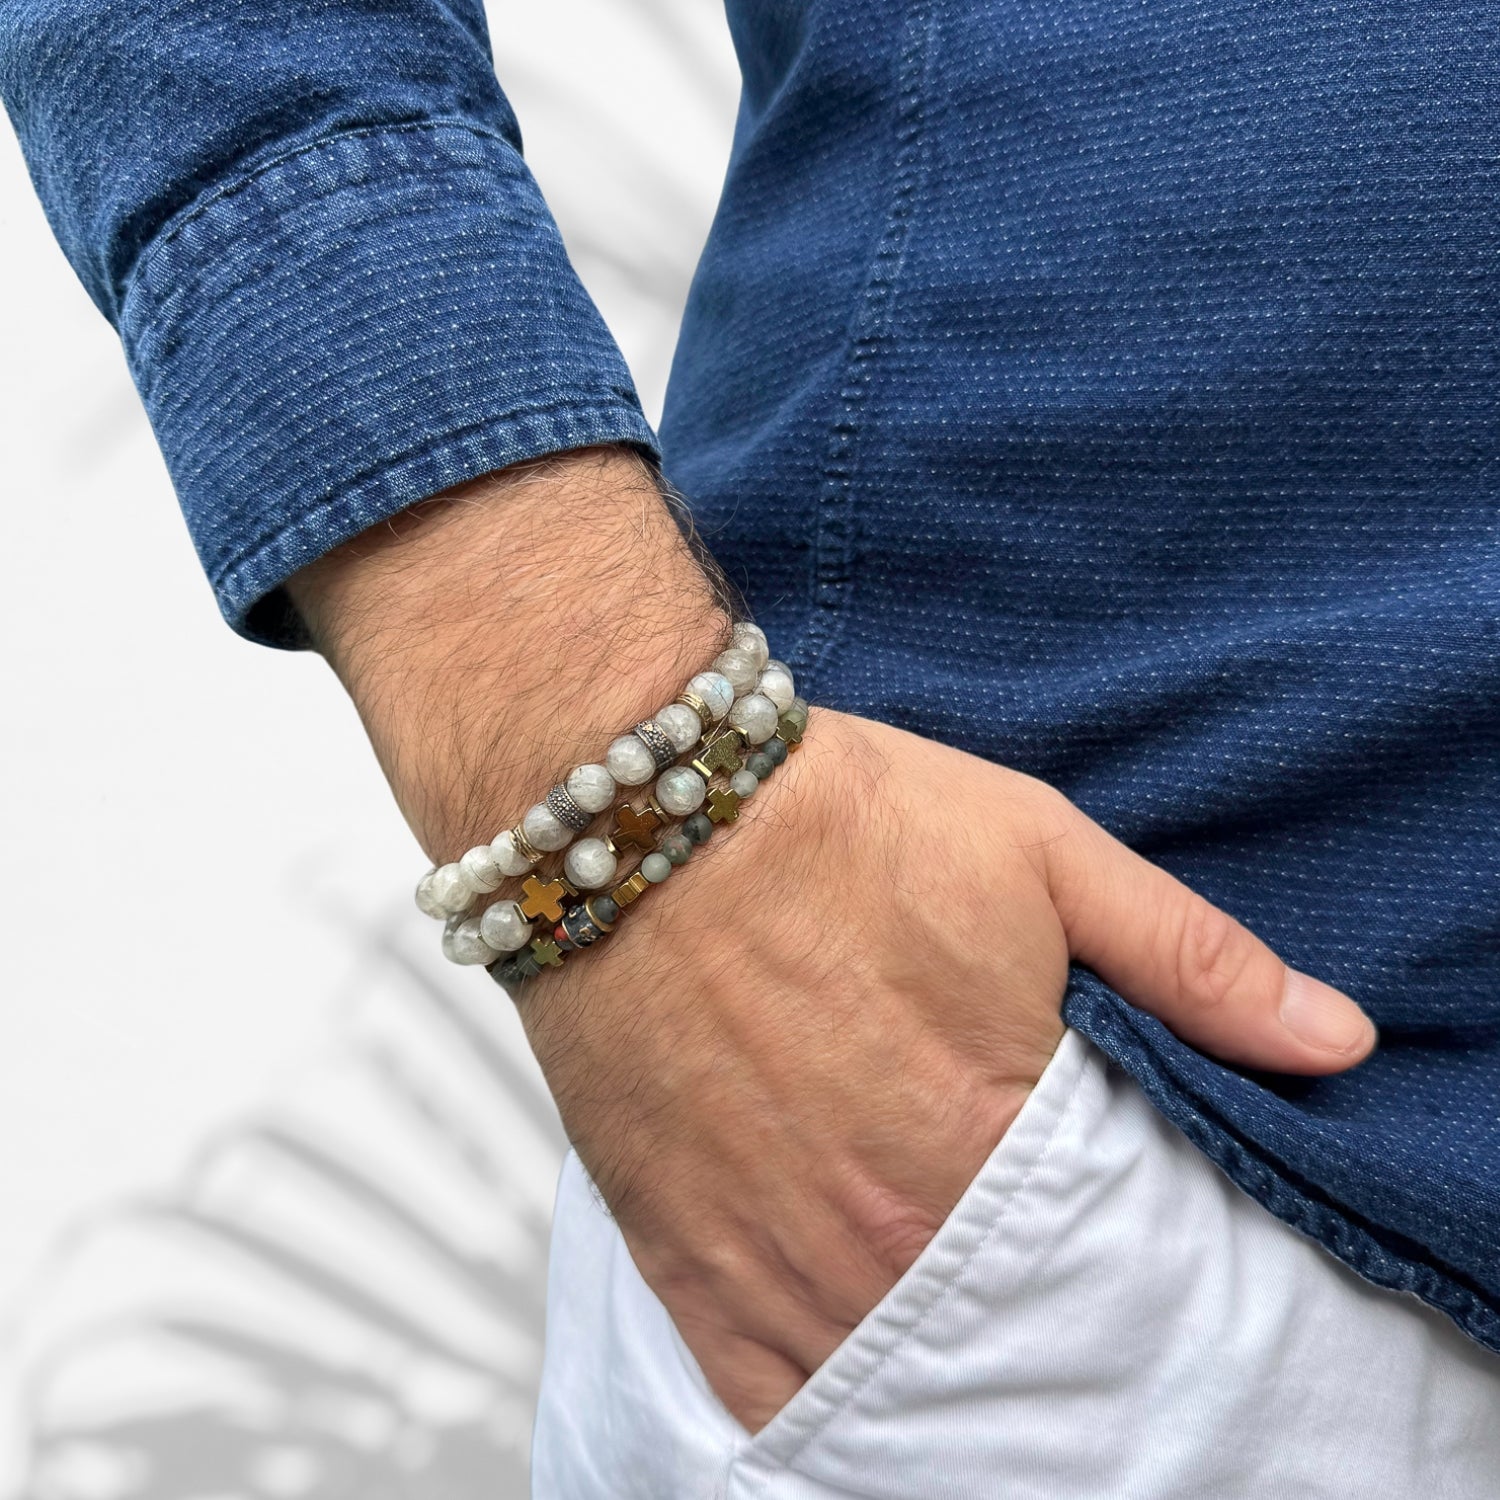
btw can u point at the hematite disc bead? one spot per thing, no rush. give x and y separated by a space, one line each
657 741
561 805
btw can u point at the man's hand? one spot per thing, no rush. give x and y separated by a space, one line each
785 1067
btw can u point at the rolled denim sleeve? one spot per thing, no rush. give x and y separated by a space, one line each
337 285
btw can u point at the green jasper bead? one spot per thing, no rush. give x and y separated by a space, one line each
678 848
656 867
774 751
698 828
759 764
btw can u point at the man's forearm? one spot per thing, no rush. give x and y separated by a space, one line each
505 631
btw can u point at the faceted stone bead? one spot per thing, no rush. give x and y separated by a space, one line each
426 902
681 791
759 764
449 891
464 945
776 684
543 827
591 787
589 864
606 908
739 667
774 750
681 724
698 828
715 690
503 927
656 867
750 637
678 848
744 783
481 870
507 856
755 716
629 761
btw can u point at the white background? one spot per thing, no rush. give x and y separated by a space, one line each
194 837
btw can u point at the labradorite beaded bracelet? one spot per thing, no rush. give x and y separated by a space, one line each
744 692
581 921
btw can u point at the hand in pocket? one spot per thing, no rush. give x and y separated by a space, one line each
788 1068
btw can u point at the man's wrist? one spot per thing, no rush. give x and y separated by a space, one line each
504 631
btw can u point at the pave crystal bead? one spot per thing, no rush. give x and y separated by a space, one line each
590 864
681 791
481 869
544 829
591 787
567 812
503 927
657 741
630 760
755 717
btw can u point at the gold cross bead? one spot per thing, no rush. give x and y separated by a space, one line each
541 900
721 753
632 827
723 805
546 951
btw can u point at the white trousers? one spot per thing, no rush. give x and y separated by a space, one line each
1104 1316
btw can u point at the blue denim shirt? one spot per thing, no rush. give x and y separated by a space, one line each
1111 390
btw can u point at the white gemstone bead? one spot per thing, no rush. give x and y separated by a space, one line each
481 869
745 783
715 690
681 791
776 684
752 638
739 667
450 892
682 725
464 945
591 787
629 761
542 826
755 716
426 901
589 864
503 927
507 856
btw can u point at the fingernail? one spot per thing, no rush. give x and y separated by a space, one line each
1323 1017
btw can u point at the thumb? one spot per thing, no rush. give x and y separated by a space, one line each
1210 979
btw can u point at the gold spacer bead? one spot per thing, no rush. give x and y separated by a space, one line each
628 890
527 849
699 706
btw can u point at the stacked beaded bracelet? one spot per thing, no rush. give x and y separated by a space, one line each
744 688
579 921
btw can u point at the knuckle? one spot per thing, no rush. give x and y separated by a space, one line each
1213 955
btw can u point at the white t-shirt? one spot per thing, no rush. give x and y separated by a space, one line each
1104 1315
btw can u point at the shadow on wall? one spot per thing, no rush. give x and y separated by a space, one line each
344 1297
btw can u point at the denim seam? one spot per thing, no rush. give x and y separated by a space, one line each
833 548
221 193
228 576
1299 1204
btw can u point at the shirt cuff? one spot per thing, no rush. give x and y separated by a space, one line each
351 328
